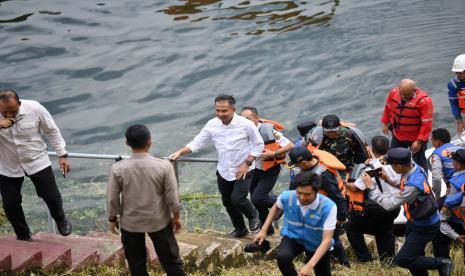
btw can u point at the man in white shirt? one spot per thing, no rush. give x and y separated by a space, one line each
238 143
267 165
23 152
374 220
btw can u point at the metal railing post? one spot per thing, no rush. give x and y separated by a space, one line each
176 170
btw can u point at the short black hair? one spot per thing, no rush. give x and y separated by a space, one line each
308 178
441 134
252 109
137 136
6 95
223 97
380 144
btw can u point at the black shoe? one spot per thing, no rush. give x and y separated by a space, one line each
446 267
255 247
239 233
254 224
64 227
270 231
25 238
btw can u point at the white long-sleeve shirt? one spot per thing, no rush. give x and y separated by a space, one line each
233 142
22 149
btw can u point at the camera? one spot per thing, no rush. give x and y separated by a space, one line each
374 173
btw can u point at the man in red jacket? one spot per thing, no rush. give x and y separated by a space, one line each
408 114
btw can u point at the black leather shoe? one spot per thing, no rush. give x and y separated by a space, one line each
64 227
239 233
254 224
26 238
446 267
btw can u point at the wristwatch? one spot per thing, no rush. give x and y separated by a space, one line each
64 155
249 162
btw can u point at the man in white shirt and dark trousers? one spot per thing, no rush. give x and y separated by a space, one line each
374 220
238 143
24 153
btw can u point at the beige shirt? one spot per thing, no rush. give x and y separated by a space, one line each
22 148
143 191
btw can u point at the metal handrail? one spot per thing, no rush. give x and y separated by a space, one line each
52 226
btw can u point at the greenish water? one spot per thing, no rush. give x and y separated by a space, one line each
100 66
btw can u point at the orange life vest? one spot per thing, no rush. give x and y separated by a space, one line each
406 117
356 199
461 99
406 205
266 131
277 126
460 210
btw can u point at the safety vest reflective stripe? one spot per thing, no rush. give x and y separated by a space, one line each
313 228
296 223
460 211
448 165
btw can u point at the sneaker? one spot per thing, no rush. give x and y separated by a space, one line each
446 267
255 247
239 233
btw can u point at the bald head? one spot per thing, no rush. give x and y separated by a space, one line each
9 103
407 89
7 95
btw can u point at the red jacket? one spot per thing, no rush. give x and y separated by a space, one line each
411 121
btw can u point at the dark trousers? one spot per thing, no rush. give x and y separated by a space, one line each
234 198
379 225
418 157
338 251
165 245
261 186
441 243
288 249
412 253
46 188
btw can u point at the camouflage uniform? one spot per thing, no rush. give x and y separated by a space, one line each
343 147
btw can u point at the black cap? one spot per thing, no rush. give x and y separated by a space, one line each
299 154
459 155
398 156
305 126
331 123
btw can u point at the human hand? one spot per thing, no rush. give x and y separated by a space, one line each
460 126
6 122
176 223
461 239
242 171
64 165
416 146
383 175
267 154
385 129
174 156
260 236
367 180
306 270
114 227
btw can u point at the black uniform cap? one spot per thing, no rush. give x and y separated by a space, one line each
330 123
398 156
305 126
459 155
299 154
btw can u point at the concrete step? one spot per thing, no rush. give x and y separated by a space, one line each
54 256
5 261
83 252
22 257
209 256
231 250
188 252
109 251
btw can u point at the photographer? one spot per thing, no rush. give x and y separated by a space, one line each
367 217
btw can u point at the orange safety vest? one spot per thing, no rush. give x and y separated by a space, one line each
460 210
356 199
406 205
266 131
329 162
461 99
277 126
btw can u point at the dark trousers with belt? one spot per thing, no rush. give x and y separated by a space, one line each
412 253
441 243
418 157
288 249
46 188
234 198
379 225
166 248
260 188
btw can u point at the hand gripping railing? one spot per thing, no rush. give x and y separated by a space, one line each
116 158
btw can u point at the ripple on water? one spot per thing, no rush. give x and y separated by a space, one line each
30 53
17 19
79 73
74 21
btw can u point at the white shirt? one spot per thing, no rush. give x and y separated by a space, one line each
233 143
22 148
387 189
330 222
280 139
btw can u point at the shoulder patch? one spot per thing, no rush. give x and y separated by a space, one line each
277 135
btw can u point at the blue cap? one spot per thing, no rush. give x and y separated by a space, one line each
398 156
299 154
